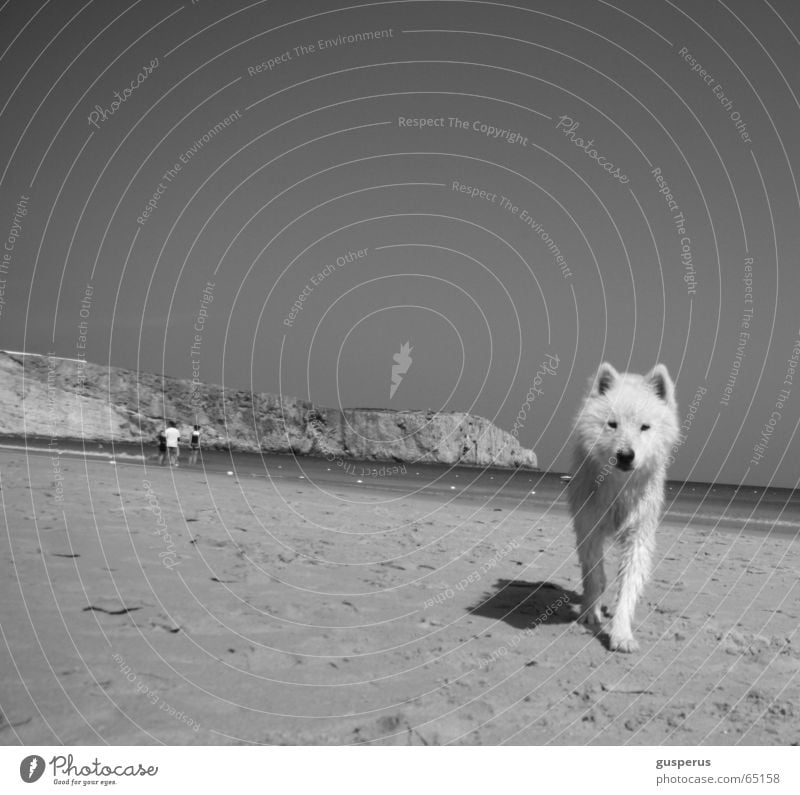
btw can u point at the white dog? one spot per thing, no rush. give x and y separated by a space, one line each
625 431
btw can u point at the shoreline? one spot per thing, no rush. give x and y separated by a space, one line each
8 443
711 522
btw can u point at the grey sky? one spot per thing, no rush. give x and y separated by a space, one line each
291 157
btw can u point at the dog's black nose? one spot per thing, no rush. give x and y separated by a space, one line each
625 459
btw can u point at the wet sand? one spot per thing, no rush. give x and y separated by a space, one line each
200 609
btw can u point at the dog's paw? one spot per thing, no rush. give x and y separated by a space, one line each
624 643
591 618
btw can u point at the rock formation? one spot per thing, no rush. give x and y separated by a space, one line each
61 399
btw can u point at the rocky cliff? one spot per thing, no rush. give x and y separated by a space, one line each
65 399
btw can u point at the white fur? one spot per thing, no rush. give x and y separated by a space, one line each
608 500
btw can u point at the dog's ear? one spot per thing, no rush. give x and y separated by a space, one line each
605 378
658 378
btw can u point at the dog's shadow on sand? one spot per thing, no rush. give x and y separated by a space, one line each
526 605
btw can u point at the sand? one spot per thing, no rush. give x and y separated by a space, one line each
206 610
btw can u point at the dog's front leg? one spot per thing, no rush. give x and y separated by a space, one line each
638 543
591 544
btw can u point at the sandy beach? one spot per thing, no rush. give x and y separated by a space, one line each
154 605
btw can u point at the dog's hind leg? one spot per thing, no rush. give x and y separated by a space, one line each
591 543
634 569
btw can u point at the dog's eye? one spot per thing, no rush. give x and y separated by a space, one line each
612 423
645 427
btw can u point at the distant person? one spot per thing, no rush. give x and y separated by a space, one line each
173 437
162 447
195 445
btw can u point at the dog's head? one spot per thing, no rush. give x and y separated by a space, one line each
629 421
